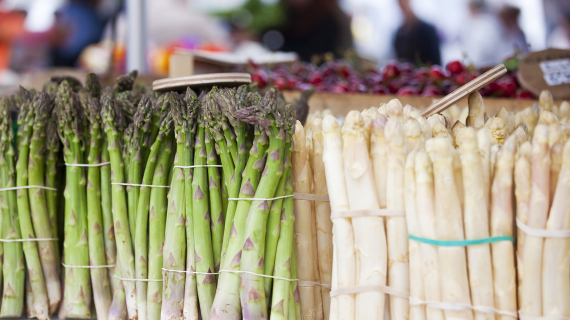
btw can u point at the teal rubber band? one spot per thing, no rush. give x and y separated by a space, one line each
461 243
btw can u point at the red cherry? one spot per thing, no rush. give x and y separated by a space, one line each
524 94
437 73
406 68
380 89
340 88
395 84
281 84
420 74
431 91
407 91
455 67
463 78
391 70
305 86
260 77
450 89
292 82
357 87
315 78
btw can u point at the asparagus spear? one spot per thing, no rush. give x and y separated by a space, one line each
118 308
141 128
175 234
114 124
294 286
108 229
555 262
190 310
38 205
40 307
476 225
51 180
215 196
77 285
99 276
281 288
522 192
157 220
204 258
502 215
531 300
378 152
13 268
342 227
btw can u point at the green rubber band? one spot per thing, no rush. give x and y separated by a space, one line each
461 243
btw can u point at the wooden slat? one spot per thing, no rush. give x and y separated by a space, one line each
465 90
212 79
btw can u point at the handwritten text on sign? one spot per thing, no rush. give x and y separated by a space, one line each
556 72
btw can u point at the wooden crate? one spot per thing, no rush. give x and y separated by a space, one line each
341 104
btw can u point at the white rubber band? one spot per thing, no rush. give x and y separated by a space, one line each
29 240
142 280
309 196
460 306
192 272
313 284
362 289
27 187
88 267
87 165
261 199
367 213
542 233
259 275
198 166
138 185
523 317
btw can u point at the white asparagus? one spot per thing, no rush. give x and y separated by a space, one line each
547 118
302 182
494 154
522 195
449 223
343 234
556 255
502 217
398 264
564 111
322 213
545 101
512 122
529 118
458 175
520 135
333 313
556 143
499 129
407 110
425 127
425 204
416 280
539 204
484 144
369 236
413 133
394 109
476 224
456 132
476 117
378 155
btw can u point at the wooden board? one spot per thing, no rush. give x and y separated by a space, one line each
212 79
531 75
341 104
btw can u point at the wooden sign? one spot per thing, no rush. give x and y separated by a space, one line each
201 80
546 70
465 90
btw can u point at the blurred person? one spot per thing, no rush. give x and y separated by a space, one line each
77 25
560 36
313 27
416 41
514 38
11 28
482 36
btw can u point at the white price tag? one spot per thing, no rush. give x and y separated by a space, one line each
555 66
557 78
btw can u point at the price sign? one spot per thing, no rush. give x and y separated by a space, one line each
546 70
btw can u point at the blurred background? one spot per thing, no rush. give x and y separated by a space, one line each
92 35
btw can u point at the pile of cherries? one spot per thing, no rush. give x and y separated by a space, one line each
402 79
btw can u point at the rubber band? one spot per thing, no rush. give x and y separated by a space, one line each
309 196
313 284
523 317
138 185
257 274
542 233
459 307
198 166
261 199
460 243
29 240
143 280
367 213
192 272
87 165
88 267
28 187
363 289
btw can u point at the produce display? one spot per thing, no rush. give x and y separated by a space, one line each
402 79
124 203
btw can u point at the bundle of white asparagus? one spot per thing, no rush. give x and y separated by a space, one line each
428 206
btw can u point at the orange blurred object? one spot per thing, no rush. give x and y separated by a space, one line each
11 27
